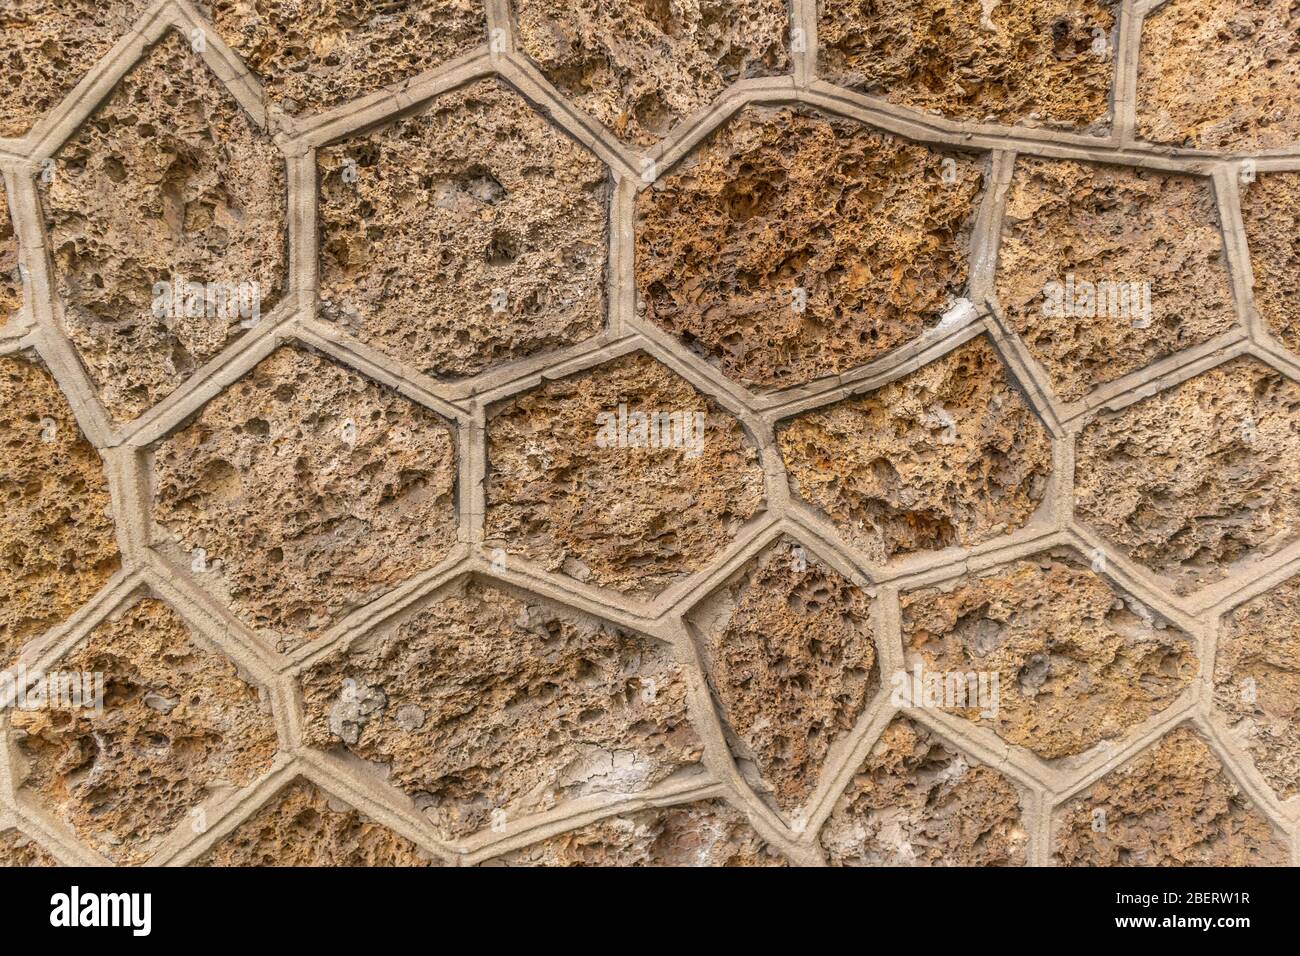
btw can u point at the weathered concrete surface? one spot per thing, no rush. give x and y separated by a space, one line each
1270 209
18 849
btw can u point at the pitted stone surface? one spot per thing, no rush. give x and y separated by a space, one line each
1270 208
179 723
576 484
947 455
1104 269
917 802
640 67
57 542
169 180
464 236
1171 805
482 705
790 246
18 849
1076 660
1199 479
1042 62
11 284
304 491
788 650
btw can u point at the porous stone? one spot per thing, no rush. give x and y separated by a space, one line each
1220 74
950 454
11 284
705 833
641 67
1172 805
915 801
466 235
57 542
788 650
18 849
1270 208
1104 269
1064 659
178 723
170 181
1200 479
304 491
580 484
521 706
790 246
1042 62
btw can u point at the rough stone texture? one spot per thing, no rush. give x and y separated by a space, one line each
777 201
482 703
304 826
640 67
474 233
1078 662
1172 805
18 849
635 519
178 723
57 543
169 178
706 833
917 802
981 60
1199 479
950 454
11 284
1220 74
788 650
310 489
1257 682
1110 224
1270 208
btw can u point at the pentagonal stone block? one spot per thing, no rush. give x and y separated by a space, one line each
1048 62
1270 208
1219 74
303 825
1199 480
11 277
639 68
485 706
304 491
623 476
704 833
915 801
1257 682
177 722
57 543
1171 805
166 222
788 649
790 246
463 236
1087 276
1075 660
18 849
947 455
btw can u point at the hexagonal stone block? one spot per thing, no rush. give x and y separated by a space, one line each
484 705
622 476
1076 661
1171 805
705 833
466 235
303 825
1048 62
916 801
950 454
177 723
791 246
641 67
1199 480
18 849
165 215
788 649
1257 682
11 280
57 543
1270 208
304 491
1219 74
1087 276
